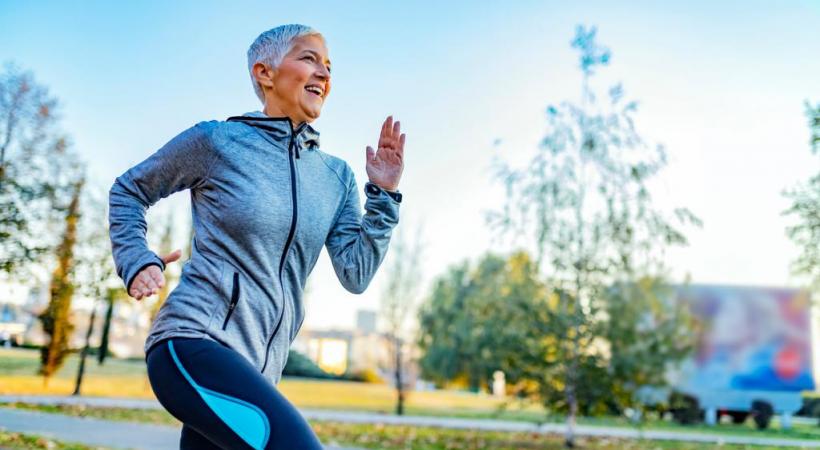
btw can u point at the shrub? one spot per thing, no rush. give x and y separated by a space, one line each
299 365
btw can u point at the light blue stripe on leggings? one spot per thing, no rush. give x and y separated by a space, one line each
246 419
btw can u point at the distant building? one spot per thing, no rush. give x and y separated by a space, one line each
20 306
339 351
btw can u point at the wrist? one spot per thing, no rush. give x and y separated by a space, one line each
374 188
386 187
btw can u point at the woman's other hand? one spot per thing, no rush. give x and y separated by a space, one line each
384 167
150 280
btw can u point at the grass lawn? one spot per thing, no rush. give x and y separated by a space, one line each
395 437
124 378
19 441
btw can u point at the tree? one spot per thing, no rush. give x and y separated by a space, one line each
479 320
805 207
647 330
584 200
37 170
81 369
112 296
402 279
95 274
444 320
55 319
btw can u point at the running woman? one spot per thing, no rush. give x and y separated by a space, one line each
265 200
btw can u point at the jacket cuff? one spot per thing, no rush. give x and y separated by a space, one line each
148 260
374 190
383 209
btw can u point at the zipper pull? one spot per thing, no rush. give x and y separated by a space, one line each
297 151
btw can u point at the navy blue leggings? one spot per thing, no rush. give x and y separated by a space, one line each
222 400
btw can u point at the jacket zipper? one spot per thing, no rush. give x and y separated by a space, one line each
234 299
287 243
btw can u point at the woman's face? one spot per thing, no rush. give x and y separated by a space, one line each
301 83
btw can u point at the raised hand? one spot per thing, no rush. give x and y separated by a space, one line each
384 167
150 279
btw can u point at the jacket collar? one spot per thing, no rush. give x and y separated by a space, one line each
281 127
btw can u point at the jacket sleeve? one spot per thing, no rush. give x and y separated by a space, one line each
184 162
357 244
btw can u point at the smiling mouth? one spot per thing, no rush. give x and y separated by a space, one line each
313 91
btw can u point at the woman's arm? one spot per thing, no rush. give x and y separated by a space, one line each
182 163
357 245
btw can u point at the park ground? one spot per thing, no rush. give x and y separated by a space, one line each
119 378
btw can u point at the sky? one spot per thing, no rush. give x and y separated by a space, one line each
721 86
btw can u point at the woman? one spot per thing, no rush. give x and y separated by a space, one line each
265 200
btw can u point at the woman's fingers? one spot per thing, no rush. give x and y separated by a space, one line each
383 133
138 288
387 126
391 142
156 277
149 282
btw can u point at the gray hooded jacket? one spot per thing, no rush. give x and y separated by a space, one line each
265 200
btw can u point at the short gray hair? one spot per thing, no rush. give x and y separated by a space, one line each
272 46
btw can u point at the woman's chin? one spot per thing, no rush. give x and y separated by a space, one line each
310 116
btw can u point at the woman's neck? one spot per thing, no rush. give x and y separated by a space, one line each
271 111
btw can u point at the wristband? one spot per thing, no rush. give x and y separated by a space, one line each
374 188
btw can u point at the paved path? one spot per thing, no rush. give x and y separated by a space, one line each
93 432
89 431
446 422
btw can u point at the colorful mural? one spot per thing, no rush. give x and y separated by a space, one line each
750 338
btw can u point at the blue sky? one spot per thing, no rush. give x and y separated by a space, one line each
721 86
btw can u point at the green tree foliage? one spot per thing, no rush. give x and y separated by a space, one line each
479 320
805 208
299 365
37 170
500 315
55 319
647 331
585 202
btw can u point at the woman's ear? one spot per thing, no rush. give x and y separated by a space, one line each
263 74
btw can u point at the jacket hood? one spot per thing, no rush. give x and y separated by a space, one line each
280 127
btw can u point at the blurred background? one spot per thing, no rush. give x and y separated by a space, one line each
611 212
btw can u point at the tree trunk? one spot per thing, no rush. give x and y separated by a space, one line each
56 318
399 381
103 351
84 353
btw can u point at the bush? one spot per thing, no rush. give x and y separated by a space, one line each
811 407
364 376
299 365
685 409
